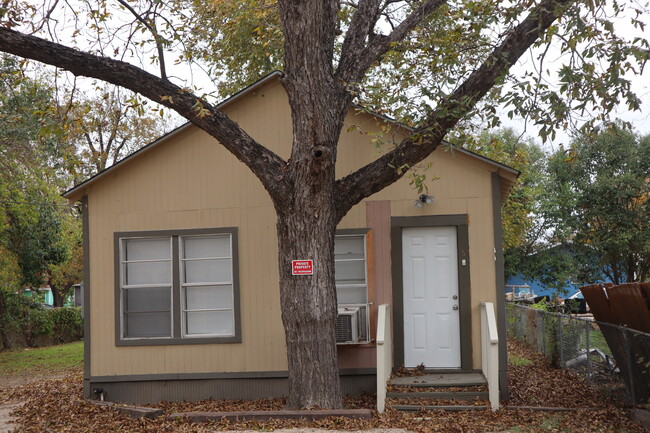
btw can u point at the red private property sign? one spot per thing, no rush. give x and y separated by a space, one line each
302 267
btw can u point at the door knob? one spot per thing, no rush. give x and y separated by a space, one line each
455 297
455 307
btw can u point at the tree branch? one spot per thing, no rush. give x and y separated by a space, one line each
359 57
89 140
154 32
362 23
46 16
393 165
118 149
265 164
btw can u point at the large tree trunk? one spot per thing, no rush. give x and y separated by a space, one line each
307 220
59 296
306 227
58 293
309 309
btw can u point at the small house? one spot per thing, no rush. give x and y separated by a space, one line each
181 296
42 294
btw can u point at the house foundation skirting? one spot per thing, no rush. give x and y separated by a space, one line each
148 389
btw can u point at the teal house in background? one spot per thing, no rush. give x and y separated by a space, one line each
44 295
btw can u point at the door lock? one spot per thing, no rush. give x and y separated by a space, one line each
455 297
455 307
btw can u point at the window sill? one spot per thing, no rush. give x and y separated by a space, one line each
176 341
357 343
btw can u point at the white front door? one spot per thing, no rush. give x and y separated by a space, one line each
431 307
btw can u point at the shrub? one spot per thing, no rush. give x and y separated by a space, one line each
68 324
36 321
542 305
23 320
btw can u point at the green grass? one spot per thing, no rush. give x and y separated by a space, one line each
518 360
50 359
596 339
550 423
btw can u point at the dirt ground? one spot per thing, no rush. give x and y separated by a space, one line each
11 381
7 421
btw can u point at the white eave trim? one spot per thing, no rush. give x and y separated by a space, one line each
485 159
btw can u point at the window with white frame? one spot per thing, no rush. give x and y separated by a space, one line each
350 269
206 282
178 286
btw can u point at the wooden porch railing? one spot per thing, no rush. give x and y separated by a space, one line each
384 355
490 352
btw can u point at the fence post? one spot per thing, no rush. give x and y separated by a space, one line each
541 330
628 351
521 322
588 357
561 338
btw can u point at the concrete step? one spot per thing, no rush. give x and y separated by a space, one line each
441 380
458 395
415 408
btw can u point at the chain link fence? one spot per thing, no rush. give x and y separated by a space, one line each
607 355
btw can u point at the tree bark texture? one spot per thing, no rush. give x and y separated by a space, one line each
59 295
306 226
309 308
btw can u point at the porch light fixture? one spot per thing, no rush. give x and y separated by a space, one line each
422 200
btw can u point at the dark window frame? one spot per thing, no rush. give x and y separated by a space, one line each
353 233
369 303
177 337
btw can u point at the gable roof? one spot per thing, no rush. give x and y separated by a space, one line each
74 192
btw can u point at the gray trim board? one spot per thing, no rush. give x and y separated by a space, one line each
362 231
464 292
142 389
86 295
500 287
176 292
223 375
176 295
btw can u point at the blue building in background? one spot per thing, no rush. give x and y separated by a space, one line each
524 288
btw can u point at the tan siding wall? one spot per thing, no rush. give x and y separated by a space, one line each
189 181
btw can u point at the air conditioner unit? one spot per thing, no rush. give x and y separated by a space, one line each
347 325
352 324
